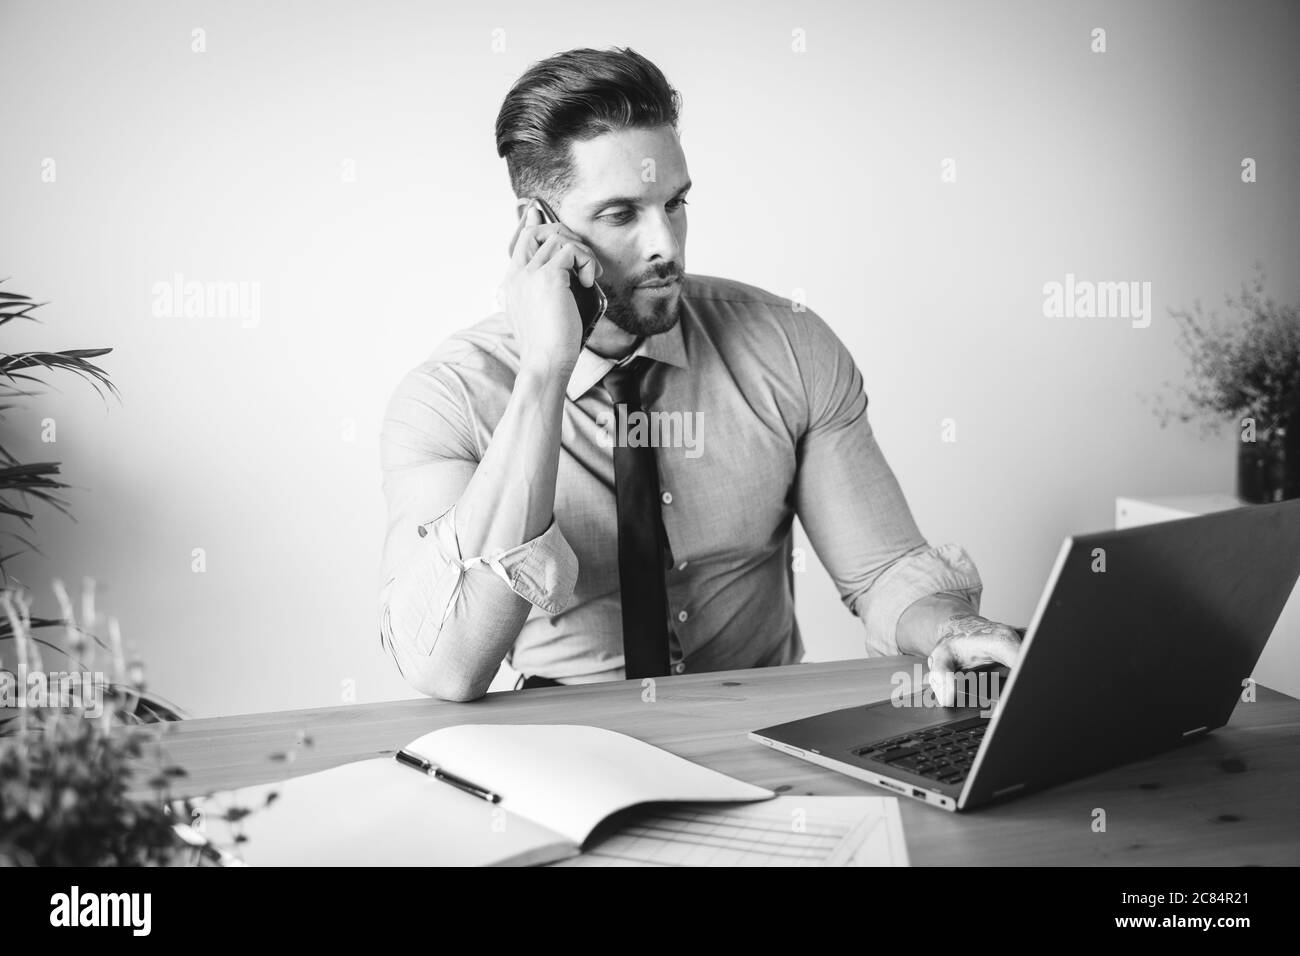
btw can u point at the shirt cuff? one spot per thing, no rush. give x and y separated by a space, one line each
938 570
543 571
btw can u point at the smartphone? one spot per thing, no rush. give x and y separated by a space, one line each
591 301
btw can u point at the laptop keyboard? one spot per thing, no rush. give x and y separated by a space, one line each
944 752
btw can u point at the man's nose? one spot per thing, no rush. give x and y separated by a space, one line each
659 240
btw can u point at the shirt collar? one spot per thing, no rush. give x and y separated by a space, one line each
590 368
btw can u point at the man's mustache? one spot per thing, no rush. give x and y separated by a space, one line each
672 271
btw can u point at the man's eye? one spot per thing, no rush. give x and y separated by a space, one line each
623 218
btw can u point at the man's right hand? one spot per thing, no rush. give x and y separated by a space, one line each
536 296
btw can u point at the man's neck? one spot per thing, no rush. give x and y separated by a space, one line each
617 354
611 342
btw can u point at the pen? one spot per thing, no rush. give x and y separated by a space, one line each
460 783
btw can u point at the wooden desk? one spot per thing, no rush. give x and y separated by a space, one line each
1226 799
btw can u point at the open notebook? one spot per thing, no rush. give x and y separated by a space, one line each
554 784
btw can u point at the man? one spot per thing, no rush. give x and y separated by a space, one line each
515 533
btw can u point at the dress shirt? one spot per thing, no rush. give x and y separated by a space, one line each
780 429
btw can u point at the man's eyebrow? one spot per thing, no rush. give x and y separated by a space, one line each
629 200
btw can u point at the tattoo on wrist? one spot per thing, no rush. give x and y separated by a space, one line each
966 623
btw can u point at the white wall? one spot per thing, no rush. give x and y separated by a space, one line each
816 170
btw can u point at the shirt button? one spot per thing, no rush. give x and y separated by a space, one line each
679 667
666 497
682 616
681 565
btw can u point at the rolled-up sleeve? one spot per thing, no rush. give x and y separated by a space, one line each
430 593
946 569
850 501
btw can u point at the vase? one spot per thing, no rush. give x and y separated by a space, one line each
1268 469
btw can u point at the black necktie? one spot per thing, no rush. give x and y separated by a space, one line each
642 544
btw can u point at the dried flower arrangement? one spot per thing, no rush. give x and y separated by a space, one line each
1245 369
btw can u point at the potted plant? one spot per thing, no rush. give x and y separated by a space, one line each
1246 368
74 738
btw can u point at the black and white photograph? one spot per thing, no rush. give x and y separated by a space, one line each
732 434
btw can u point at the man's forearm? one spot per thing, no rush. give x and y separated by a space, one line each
921 626
511 497
509 500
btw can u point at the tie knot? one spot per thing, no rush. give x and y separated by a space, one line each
624 381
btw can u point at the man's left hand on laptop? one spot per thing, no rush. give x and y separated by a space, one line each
967 641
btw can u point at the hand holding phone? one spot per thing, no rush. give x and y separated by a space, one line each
590 299
545 255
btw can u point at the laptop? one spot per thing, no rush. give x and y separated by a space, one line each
1143 639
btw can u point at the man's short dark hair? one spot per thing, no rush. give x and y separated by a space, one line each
576 95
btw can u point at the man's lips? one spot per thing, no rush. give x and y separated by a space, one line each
659 283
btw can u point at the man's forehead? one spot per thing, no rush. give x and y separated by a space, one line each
629 162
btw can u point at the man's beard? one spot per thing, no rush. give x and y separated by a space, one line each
655 316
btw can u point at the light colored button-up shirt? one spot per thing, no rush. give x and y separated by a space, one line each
761 415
